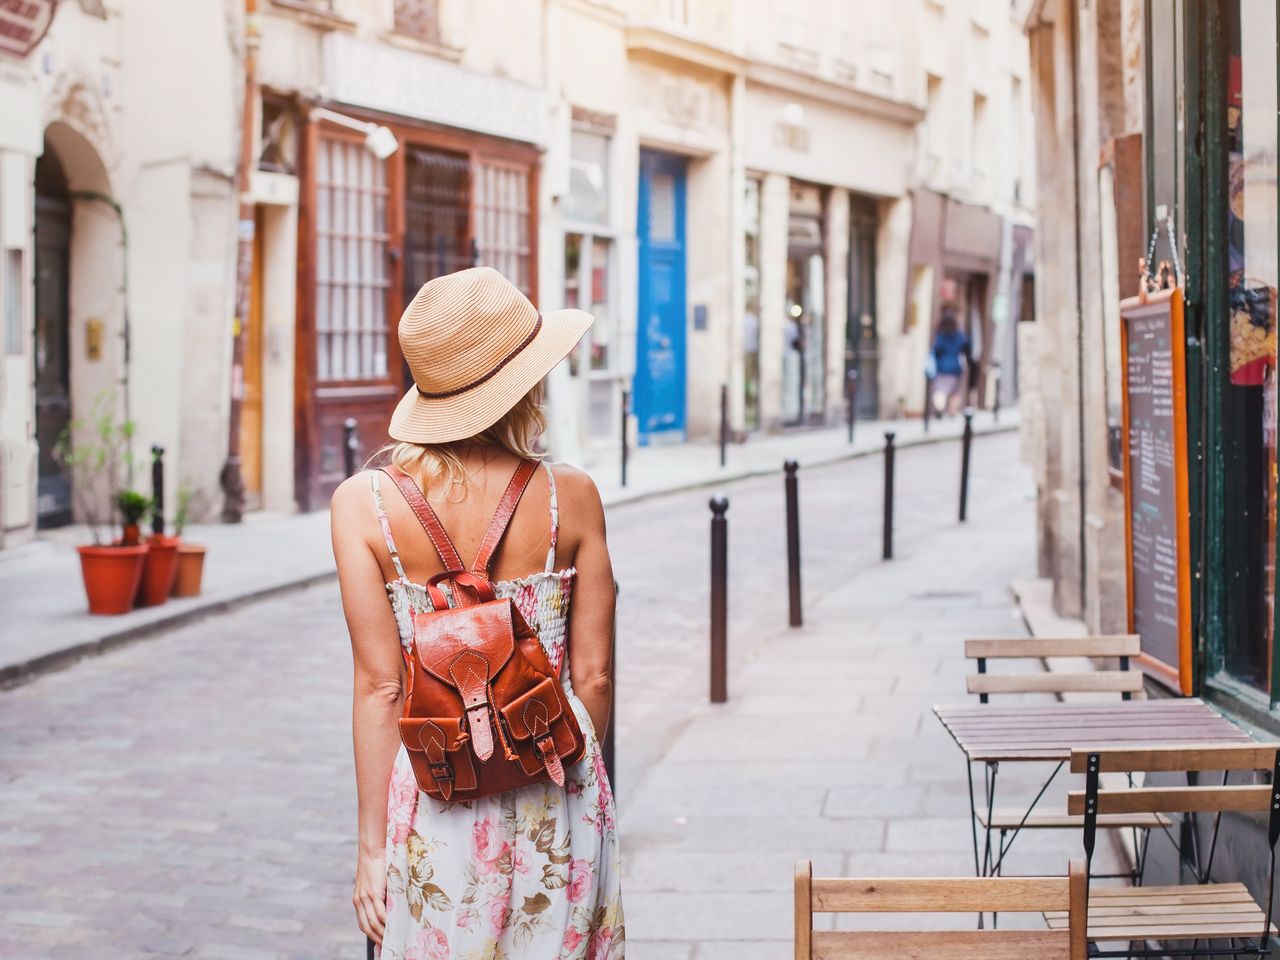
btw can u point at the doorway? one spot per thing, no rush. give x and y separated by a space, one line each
52 336
660 349
804 363
251 412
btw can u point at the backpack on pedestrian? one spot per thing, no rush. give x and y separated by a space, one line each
485 711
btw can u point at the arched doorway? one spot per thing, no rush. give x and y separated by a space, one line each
52 334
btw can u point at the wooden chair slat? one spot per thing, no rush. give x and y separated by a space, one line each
1233 797
1118 645
1242 756
928 895
941 945
804 909
1104 681
1214 911
1011 818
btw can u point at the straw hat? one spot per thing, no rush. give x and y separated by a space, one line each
475 346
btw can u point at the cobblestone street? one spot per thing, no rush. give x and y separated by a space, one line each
192 795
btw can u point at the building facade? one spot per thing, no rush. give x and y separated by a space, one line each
1157 139
117 225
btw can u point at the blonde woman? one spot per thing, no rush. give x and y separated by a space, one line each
532 873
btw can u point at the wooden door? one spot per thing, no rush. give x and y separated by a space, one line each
660 385
251 412
52 336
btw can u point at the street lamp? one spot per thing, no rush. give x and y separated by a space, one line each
378 140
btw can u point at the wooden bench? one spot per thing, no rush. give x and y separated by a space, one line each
1206 911
817 895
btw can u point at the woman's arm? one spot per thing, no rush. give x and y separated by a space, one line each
591 612
378 690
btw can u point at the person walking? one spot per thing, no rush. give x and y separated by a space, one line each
533 872
950 355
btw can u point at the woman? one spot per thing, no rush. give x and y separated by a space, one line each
950 358
533 872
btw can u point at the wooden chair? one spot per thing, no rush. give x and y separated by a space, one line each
957 895
1122 680
1205 911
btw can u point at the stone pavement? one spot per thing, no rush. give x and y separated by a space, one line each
46 625
192 796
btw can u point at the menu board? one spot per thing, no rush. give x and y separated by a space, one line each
1155 484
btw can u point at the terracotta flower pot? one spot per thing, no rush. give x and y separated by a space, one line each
111 576
131 535
159 572
190 569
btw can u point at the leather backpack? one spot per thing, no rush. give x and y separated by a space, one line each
485 712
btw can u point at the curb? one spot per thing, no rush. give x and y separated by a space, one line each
750 473
17 674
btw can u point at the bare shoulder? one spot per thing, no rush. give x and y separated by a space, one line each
352 499
579 500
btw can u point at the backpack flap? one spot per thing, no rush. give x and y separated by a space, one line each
465 647
439 754
537 725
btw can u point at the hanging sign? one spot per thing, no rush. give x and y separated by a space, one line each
1157 514
23 24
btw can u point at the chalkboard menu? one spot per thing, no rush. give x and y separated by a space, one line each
1155 484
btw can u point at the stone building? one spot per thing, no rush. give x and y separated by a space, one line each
117 224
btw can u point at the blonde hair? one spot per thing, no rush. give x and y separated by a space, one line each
517 432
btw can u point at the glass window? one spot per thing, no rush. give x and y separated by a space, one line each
1165 78
588 199
502 220
351 265
419 19
1249 400
602 331
751 309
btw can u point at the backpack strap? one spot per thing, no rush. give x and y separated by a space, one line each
498 525
427 517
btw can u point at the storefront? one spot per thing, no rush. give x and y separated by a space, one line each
374 228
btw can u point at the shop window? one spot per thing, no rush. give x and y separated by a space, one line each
13 287
751 308
861 339
1249 393
589 276
351 273
1164 78
502 220
419 19
805 330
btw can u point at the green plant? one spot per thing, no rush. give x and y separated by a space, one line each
181 515
133 506
94 453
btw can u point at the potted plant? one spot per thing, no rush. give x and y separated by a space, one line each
190 555
93 454
160 572
133 507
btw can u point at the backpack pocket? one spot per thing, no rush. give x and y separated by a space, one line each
540 731
440 754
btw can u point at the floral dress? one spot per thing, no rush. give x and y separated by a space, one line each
532 873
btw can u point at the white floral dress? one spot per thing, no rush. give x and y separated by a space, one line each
533 873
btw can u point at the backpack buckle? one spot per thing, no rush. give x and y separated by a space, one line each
442 771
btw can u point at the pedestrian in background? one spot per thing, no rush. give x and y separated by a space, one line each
534 872
950 358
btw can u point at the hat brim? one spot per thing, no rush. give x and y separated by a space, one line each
420 419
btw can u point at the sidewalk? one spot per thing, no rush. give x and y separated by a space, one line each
828 749
46 625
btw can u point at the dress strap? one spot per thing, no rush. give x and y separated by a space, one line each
385 523
555 517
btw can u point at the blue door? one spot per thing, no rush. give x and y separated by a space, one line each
659 387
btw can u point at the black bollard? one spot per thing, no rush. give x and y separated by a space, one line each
928 402
719 599
369 948
852 413
349 444
887 553
724 421
966 441
792 486
995 405
626 405
157 489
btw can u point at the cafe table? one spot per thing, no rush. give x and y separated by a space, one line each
992 735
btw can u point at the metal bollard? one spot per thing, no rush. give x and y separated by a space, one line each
792 485
995 405
852 413
928 402
724 421
966 441
349 446
626 409
887 552
157 489
719 599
